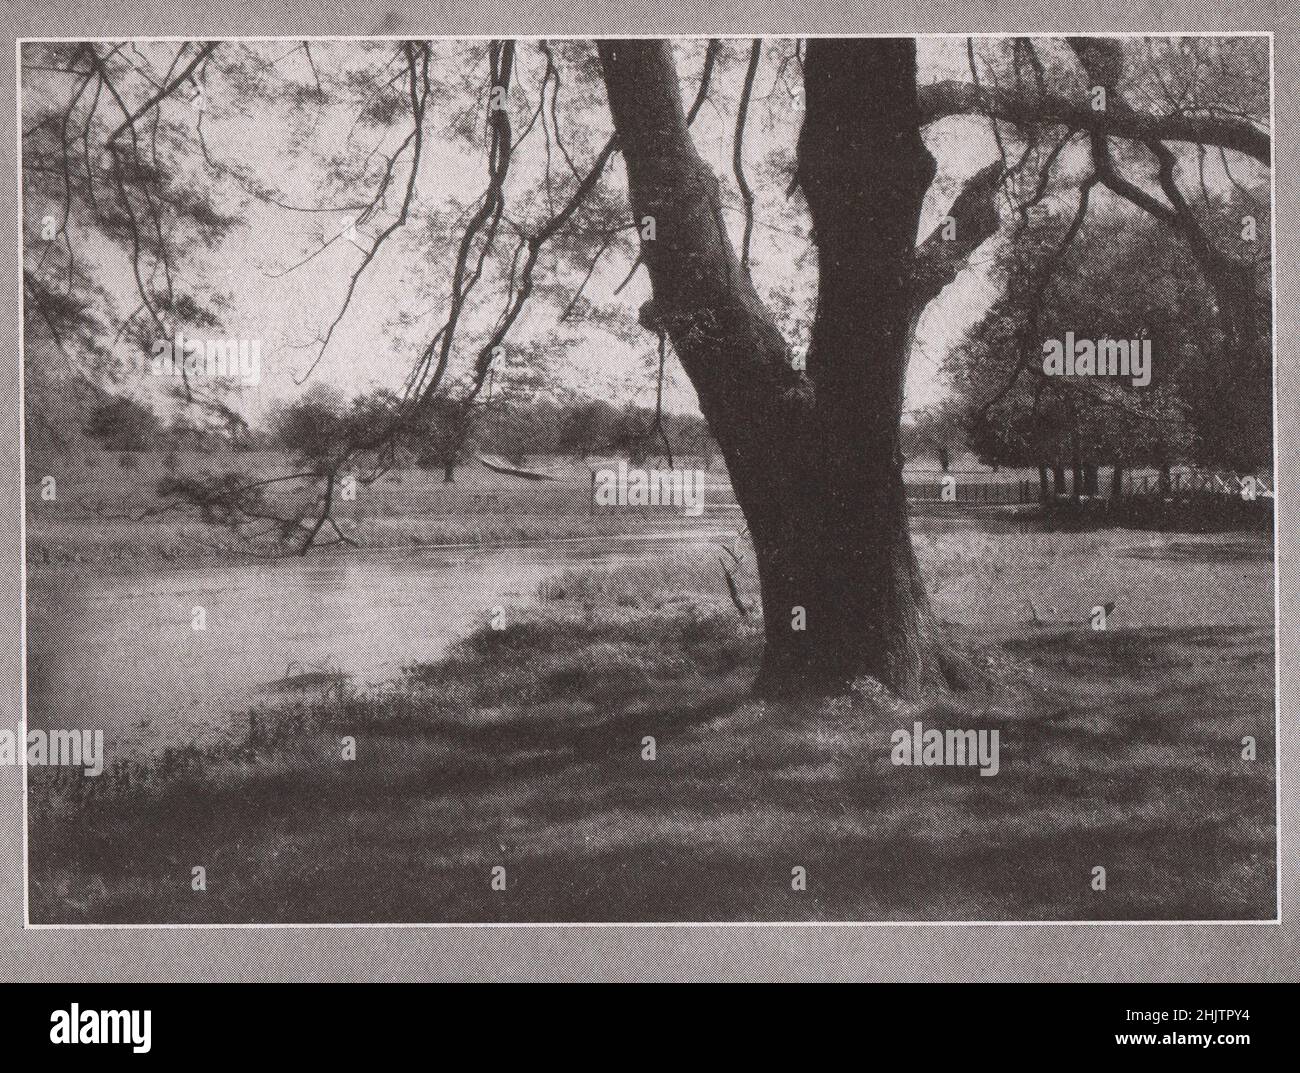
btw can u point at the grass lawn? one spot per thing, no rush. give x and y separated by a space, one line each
1120 749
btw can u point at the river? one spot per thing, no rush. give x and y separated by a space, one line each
118 651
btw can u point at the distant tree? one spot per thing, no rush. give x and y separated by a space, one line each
442 433
589 428
186 434
691 433
312 427
123 424
1127 278
936 431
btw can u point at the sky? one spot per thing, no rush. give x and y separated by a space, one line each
400 299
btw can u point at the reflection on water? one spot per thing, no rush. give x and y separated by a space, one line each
118 652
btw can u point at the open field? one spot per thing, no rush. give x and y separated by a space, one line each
102 497
101 513
405 508
523 749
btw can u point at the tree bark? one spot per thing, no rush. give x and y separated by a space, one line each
1117 483
827 511
1044 489
1090 479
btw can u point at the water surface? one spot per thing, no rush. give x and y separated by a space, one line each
118 652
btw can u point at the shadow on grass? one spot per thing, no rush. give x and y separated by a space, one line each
526 750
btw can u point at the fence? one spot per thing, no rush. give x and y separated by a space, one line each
573 498
1191 484
719 497
974 493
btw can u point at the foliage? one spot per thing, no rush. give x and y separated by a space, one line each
123 424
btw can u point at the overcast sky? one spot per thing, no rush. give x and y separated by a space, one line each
401 299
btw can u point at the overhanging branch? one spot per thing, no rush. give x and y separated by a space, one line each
1028 106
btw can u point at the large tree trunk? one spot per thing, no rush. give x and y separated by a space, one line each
824 496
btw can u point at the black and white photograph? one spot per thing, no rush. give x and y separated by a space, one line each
648 480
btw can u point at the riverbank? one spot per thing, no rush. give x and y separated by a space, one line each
525 749
102 516
118 545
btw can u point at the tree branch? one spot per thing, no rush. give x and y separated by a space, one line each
974 215
738 151
1028 106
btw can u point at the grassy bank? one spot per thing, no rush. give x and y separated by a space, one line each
128 545
101 513
523 749
101 516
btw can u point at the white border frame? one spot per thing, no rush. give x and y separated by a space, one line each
1276 921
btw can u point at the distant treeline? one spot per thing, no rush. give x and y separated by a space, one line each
580 428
